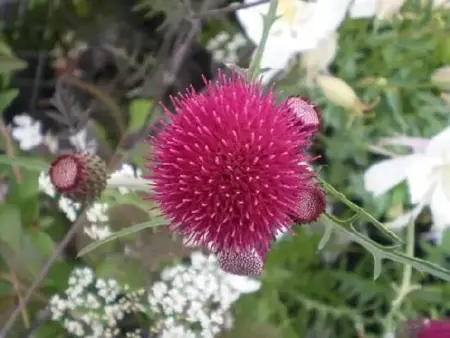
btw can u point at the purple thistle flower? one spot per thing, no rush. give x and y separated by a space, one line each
229 170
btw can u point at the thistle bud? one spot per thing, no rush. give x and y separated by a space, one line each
248 263
306 116
441 78
79 176
339 92
312 204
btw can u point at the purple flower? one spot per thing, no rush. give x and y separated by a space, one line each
230 170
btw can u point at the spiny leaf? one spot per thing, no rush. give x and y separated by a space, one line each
380 252
360 211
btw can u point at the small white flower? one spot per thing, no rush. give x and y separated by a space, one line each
91 307
45 185
69 207
183 297
427 172
51 141
97 232
27 132
97 213
80 141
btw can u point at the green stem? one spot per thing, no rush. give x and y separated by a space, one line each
405 286
268 20
359 211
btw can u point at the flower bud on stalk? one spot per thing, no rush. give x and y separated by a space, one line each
79 176
340 93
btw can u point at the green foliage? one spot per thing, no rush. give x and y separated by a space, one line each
304 292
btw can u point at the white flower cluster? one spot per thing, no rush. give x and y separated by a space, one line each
93 307
224 48
97 214
29 134
195 300
189 301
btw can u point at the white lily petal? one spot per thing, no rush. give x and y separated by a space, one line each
278 52
363 9
244 284
406 218
440 209
252 20
327 17
421 176
384 175
268 75
320 58
439 144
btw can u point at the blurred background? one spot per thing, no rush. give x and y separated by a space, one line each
90 74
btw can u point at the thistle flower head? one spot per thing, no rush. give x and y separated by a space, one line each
79 176
226 169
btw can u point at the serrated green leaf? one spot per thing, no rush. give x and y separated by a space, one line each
326 236
25 162
360 211
381 252
122 233
377 267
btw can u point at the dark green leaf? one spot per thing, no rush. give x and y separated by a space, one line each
11 226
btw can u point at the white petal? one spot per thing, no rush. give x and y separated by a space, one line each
252 21
387 8
267 76
406 218
320 58
328 16
363 9
243 284
23 120
421 176
440 209
383 176
439 144
277 52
